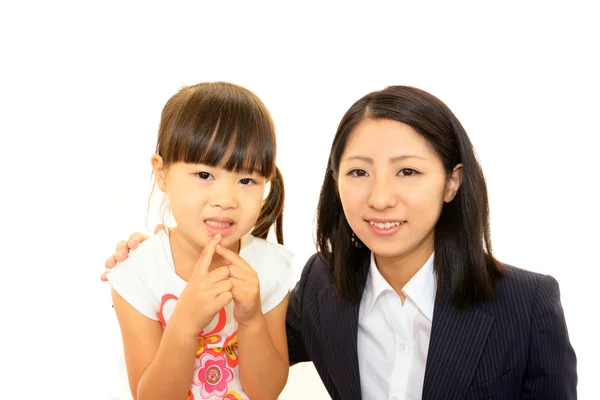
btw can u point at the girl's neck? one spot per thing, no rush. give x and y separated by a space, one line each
399 270
186 253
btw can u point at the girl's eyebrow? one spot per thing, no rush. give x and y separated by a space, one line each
392 160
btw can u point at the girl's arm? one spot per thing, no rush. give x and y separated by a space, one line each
159 364
263 354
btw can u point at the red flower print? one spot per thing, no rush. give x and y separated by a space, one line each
230 348
221 321
190 395
167 304
212 376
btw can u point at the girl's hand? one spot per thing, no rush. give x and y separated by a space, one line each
205 294
245 288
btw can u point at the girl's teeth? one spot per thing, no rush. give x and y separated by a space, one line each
218 224
385 225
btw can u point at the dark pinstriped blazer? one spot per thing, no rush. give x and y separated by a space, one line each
514 346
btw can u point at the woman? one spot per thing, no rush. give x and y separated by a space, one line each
404 299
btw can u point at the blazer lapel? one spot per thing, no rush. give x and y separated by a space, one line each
339 329
457 340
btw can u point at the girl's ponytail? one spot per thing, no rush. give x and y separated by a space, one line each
272 210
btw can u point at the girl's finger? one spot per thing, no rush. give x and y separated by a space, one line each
238 272
222 286
218 274
233 257
237 289
206 256
223 299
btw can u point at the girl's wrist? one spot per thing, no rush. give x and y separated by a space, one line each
183 330
255 324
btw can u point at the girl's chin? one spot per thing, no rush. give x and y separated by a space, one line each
230 242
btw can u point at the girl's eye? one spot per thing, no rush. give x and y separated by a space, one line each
407 172
358 172
247 181
204 176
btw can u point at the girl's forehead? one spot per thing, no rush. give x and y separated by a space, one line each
183 165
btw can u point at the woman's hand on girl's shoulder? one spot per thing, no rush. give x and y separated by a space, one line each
122 250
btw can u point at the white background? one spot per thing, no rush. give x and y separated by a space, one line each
83 84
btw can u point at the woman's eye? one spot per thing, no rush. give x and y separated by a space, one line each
247 181
358 172
407 172
204 175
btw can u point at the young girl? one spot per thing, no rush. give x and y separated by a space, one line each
201 306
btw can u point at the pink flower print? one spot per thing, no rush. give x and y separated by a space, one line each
212 376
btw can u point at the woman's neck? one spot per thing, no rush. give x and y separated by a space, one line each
399 270
186 253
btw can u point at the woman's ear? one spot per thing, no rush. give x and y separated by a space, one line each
160 172
453 183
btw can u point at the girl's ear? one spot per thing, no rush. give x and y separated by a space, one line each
453 184
160 172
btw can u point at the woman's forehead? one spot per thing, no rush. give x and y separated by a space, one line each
386 138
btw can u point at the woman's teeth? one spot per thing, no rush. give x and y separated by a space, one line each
385 225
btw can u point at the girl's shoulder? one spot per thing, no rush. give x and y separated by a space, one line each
153 253
262 254
273 265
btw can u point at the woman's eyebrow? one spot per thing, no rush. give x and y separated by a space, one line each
392 160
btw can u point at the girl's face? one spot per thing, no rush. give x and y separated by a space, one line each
209 200
392 186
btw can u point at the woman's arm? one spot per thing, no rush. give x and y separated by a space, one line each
159 365
263 353
551 371
296 348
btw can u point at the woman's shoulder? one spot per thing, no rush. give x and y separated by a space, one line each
521 287
317 272
516 278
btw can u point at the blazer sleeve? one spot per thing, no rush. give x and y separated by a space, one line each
551 371
296 346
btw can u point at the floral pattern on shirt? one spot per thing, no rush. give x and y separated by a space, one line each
230 350
232 395
212 376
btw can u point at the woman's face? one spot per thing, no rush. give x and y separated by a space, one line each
392 186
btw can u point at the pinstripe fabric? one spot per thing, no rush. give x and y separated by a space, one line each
514 346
